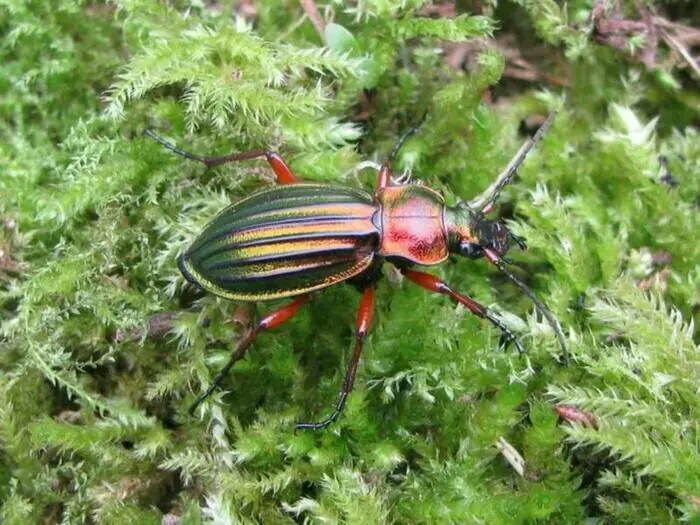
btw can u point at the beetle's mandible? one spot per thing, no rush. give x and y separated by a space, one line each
293 239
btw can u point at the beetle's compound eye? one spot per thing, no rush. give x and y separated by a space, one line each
471 250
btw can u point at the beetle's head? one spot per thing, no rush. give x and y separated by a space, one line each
471 234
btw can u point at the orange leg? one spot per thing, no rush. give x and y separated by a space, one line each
271 320
279 166
364 323
384 178
433 284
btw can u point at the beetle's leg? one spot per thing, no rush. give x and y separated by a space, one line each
364 323
384 178
433 284
385 173
271 320
279 166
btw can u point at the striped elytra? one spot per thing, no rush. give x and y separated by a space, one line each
284 241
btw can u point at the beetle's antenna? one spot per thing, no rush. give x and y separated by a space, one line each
500 264
487 200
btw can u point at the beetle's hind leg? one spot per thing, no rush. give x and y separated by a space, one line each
364 323
283 172
271 320
433 284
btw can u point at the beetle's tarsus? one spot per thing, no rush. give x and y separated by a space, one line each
238 354
520 241
507 339
172 147
271 320
507 335
340 405
364 323
279 166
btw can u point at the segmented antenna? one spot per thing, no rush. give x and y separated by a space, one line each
500 264
485 202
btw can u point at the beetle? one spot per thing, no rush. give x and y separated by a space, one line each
292 239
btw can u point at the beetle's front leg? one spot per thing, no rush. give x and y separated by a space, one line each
364 323
433 284
385 173
384 177
271 320
279 166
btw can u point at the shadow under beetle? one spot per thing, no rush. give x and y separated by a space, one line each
293 239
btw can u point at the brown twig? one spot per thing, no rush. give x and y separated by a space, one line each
657 280
652 37
611 29
575 415
511 455
243 317
8 265
614 31
532 75
445 10
158 325
456 55
660 272
311 11
247 9
678 46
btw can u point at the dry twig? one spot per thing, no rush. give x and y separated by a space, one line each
611 29
456 55
158 325
312 12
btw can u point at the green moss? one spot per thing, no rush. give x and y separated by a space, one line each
93 398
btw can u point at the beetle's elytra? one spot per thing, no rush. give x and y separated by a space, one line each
293 239
284 241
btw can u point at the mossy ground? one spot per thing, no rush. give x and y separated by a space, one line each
103 346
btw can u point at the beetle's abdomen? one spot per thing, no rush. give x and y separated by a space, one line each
283 242
413 224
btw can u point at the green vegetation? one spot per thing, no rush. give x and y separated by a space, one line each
103 346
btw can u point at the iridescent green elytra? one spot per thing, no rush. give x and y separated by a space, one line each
284 241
